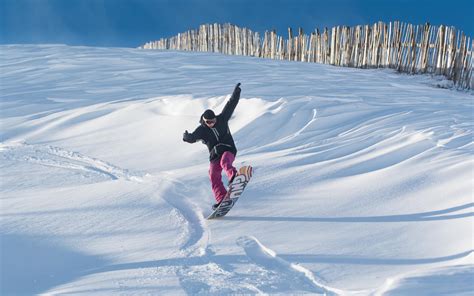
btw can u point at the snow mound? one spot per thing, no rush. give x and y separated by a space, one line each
361 177
449 280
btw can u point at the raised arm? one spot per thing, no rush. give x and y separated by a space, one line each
232 103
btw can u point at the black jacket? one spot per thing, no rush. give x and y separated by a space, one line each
218 139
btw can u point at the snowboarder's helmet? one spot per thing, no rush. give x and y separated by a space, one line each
209 114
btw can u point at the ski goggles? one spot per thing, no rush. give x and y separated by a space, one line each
210 121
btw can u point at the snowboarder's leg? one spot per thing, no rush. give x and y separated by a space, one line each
215 174
227 160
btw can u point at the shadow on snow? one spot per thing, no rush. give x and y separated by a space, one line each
419 217
32 266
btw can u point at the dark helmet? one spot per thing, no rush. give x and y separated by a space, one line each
209 114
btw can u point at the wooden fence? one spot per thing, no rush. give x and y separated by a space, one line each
405 47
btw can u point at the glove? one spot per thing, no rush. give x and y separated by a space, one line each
187 137
237 89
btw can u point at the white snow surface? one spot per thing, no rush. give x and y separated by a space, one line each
362 185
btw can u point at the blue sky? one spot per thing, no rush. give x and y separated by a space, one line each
130 23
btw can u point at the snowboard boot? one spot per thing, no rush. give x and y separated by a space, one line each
215 206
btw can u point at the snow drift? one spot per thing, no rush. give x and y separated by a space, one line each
363 181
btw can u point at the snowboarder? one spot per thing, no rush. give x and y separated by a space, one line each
214 132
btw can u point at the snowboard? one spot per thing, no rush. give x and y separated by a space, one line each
233 193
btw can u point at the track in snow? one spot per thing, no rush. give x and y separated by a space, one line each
56 157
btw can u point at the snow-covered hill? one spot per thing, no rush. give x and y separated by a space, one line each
363 181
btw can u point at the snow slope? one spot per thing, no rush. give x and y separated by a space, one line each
363 180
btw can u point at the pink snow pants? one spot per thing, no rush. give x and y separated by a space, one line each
215 174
